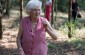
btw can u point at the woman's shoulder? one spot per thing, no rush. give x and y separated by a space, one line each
43 18
24 18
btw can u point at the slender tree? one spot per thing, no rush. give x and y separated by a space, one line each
55 9
1 20
43 3
0 27
21 8
52 12
7 7
69 18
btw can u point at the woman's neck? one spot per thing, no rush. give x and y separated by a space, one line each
33 19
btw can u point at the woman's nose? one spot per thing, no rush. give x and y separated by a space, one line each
38 11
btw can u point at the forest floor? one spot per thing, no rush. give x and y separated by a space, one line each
62 46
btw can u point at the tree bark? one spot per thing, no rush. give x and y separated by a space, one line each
55 9
21 8
0 27
52 12
1 11
69 18
7 8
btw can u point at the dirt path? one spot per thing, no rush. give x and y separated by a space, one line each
8 43
59 47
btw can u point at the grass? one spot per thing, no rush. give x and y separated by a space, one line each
77 43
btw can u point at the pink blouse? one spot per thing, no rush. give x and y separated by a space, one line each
33 42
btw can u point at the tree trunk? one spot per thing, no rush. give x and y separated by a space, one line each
52 12
69 18
43 5
21 8
1 11
56 9
7 8
0 27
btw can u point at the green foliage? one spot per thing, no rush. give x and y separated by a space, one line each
73 25
15 2
73 44
63 5
81 4
51 46
77 43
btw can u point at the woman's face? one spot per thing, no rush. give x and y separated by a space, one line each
35 13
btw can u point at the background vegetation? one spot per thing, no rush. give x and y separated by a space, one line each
62 5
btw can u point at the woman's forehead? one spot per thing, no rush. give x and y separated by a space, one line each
35 8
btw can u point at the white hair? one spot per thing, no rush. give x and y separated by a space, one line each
32 4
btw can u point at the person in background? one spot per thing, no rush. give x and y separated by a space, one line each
48 9
75 9
32 32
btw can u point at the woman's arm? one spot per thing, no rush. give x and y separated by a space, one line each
19 38
50 30
52 33
19 41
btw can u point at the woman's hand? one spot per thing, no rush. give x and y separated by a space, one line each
21 51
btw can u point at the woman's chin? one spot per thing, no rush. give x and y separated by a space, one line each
37 16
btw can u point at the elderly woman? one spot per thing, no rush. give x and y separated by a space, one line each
32 32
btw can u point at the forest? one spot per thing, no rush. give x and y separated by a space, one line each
71 34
